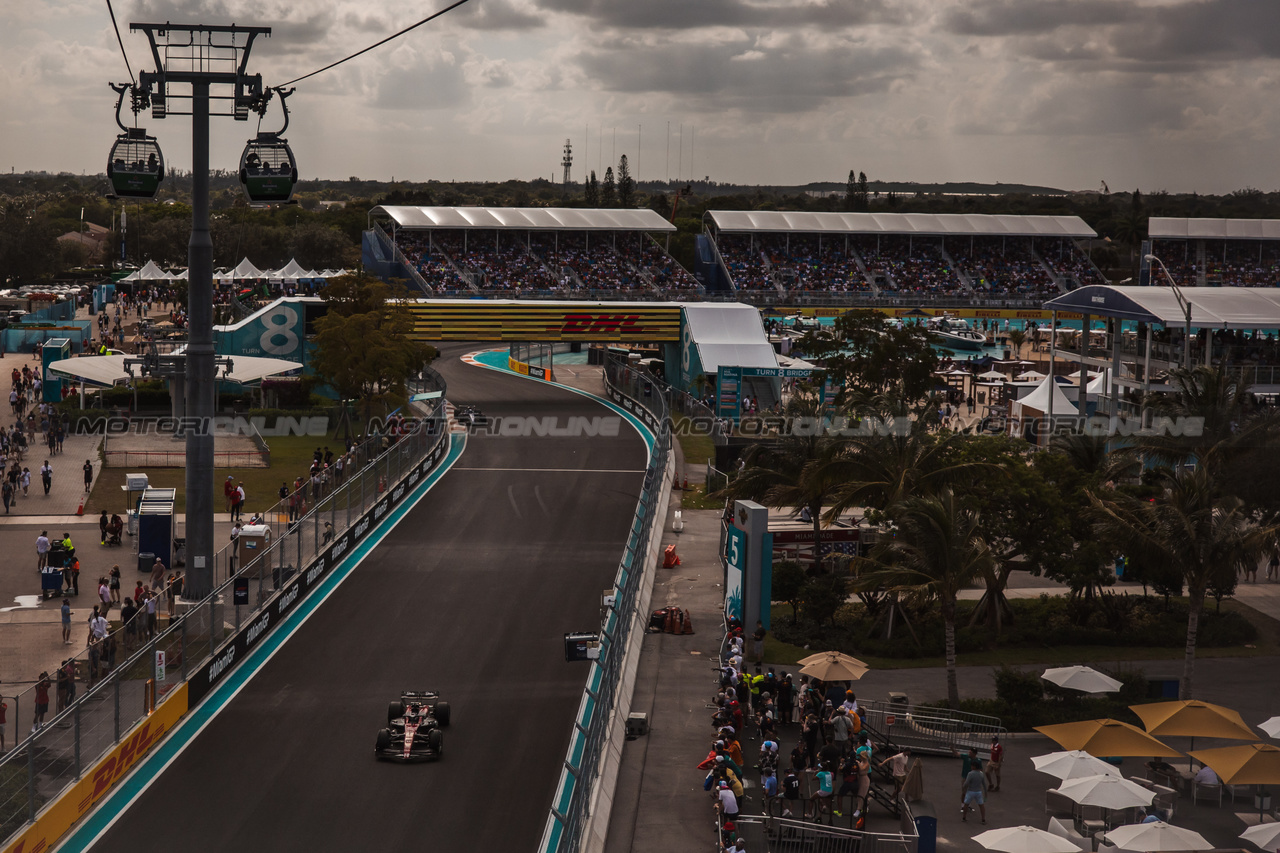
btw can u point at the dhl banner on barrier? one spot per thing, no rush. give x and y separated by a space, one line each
524 321
966 313
77 800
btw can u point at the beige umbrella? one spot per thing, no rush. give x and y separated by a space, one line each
1156 836
834 666
824 656
1246 764
1107 738
1193 718
1024 839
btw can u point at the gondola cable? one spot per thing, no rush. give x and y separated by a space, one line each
425 20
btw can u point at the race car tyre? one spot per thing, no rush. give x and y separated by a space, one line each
442 713
384 741
435 740
395 710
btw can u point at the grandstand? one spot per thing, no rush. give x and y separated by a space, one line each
1217 252
504 251
900 255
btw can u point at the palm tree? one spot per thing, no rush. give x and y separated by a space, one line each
796 471
1195 528
1017 337
937 549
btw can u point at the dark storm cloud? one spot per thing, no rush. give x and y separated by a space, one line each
1176 35
1018 17
495 15
790 78
294 28
683 14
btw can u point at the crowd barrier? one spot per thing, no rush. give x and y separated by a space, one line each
56 774
606 698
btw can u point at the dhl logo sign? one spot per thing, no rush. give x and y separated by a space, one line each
74 803
476 320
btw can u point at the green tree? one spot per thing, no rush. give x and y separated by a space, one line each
937 549
866 355
363 348
591 191
795 472
1017 338
626 184
608 190
862 198
1193 528
788 583
851 192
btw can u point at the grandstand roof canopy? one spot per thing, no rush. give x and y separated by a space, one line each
945 224
1211 307
525 218
1177 228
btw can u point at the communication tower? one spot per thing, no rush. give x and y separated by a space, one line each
567 162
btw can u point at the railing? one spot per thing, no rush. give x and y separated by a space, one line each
938 731
72 740
570 810
398 257
256 458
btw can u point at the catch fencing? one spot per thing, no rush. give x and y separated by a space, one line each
571 808
82 743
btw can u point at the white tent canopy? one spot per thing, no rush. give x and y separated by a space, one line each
1211 307
291 271
1099 383
729 335
149 272
1038 400
109 369
1178 228
246 269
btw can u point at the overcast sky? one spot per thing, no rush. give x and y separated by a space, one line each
1173 95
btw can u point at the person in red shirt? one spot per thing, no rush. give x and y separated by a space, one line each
42 700
228 489
993 766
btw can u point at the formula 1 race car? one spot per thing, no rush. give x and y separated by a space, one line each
470 416
413 731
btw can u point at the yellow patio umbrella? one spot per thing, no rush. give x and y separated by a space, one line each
1193 718
1103 738
1245 764
834 666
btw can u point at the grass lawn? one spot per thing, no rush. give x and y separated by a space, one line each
696 498
290 458
697 448
1268 644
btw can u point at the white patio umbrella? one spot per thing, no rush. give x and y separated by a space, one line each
1106 792
1030 376
1156 836
1271 727
1024 839
992 374
1074 764
1265 835
1082 678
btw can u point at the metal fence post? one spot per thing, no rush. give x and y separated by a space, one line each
182 635
213 640
31 778
117 712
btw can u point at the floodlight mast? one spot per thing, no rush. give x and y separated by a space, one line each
200 56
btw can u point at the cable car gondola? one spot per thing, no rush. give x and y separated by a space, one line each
267 168
135 165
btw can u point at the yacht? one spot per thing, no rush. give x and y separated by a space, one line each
954 333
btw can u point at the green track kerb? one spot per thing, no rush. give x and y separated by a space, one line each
84 836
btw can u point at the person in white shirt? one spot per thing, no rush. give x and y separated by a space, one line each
98 628
42 549
1206 776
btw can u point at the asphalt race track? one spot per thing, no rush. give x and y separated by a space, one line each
470 595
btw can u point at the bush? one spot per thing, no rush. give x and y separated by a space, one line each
1015 687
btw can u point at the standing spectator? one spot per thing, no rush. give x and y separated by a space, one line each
66 621
728 802
104 595
103 523
898 768
64 688
137 593
158 568
6 493
42 701
42 549
46 476
25 480
151 613
284 491
757 641
237 502
993 765
973 791
128 616
115 584
88 475
228 491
